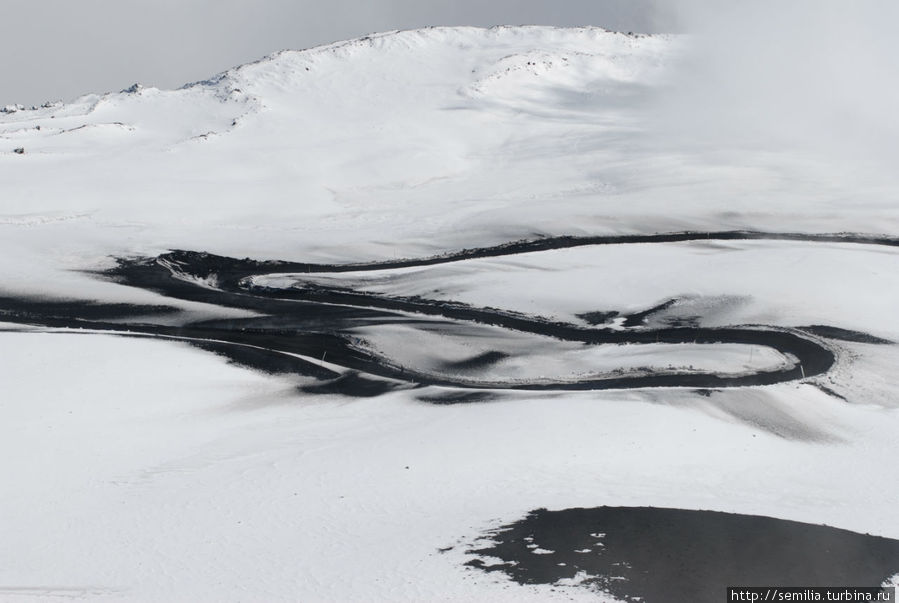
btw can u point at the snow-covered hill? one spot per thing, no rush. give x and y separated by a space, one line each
368 142
143 469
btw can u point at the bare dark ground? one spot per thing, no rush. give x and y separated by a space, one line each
674 555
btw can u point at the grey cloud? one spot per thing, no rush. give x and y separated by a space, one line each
815 77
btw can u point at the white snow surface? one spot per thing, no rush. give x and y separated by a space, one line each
146 470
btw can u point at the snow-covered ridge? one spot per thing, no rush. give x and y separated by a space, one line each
377 131
217 104
592 40
95 122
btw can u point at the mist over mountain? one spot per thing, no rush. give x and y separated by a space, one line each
813 78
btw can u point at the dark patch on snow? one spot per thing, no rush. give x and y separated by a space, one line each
656 555
459 397
352 384
598 317
77 309
828 391
639 318
475 362
681 321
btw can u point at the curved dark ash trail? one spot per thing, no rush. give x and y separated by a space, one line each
302 325
230 269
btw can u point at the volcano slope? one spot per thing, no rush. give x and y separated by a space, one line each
491 277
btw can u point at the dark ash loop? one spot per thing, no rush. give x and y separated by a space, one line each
303 327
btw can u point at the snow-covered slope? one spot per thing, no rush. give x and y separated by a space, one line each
341 150
386 130
148 470
346 149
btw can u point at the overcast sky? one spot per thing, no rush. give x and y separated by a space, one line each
59 49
